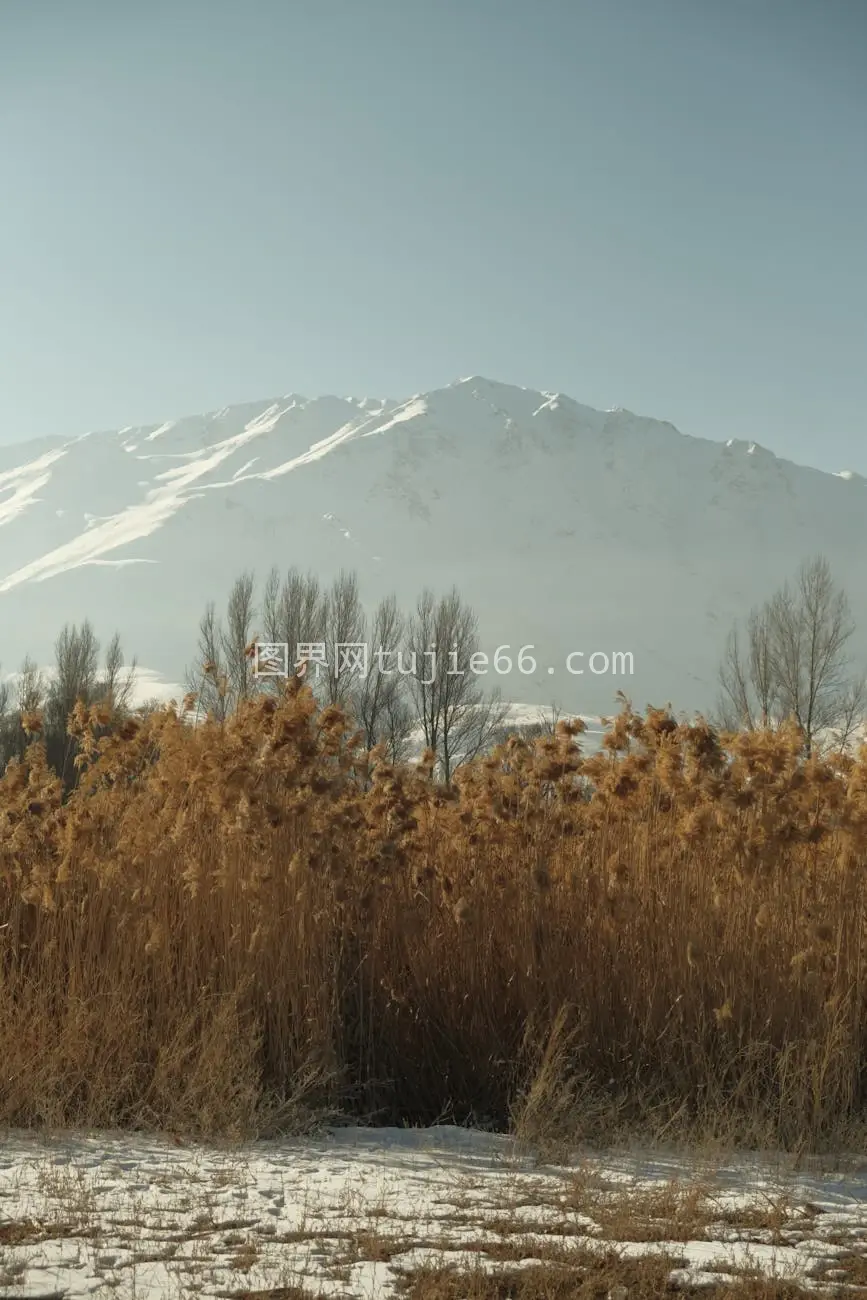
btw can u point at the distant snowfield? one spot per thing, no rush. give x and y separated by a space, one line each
568 529
348 1213
148 686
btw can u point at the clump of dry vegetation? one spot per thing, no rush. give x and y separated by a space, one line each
583 1279
235 925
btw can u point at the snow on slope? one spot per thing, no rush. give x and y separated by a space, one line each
568 528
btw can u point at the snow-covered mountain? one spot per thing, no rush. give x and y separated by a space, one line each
569 529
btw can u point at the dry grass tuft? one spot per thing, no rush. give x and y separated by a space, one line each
238 926
588 1277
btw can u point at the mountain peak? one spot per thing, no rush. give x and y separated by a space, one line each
565 527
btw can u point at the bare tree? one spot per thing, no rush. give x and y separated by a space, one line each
456 717
344 628
148 707
815 626
853 707
293 612
76 655
223 674
270 604
396 726
117 685
544 724
209 680
795 663
379 700
9 726
31 687
749 680
76 678
27 696
235 639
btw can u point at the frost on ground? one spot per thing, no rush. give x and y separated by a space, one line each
359 1212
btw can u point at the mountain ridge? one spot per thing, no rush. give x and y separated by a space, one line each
566 527
379 405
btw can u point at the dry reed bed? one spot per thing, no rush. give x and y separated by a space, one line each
229 927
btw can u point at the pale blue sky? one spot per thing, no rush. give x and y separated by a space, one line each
658 204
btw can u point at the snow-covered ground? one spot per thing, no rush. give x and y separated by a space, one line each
350 1212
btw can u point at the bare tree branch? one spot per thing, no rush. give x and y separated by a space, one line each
795 664
457 718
